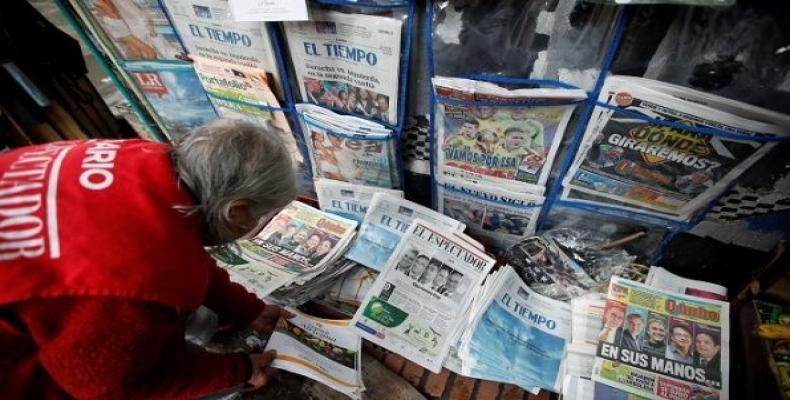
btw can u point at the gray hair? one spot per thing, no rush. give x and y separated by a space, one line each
225 161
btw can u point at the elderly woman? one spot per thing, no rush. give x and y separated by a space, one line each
102 262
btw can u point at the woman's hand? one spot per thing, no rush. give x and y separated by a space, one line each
266 320
262 371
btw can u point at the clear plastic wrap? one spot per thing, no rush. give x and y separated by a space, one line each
738 52
559 40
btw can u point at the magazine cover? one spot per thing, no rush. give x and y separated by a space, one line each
175 95
299 239
348 149
238 92
385 223
663 345
664 169
517 335
208 31
349 62
509 146
419 302
328 351
137 29
498 218
347 199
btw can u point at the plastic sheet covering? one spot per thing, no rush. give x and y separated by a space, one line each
741 52
561 40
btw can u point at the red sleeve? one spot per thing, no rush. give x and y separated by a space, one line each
99 348
235 306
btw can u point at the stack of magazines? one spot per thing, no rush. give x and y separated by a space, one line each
328 351
636 154
299 245
349 149
420 300
515 335
494 150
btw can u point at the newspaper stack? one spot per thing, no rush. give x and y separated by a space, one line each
386 222
660 344
419 302
239 92
515 335
349 149
347 199
640 165
348 62
328 351
297 246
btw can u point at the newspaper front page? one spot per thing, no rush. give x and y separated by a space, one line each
508 146
349 62
387 219
347 199
207 31
328 351
420 300
663 345
517 335
663 169
299 239
499 218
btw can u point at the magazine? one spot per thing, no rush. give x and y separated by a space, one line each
498 217
138 29
662 279
663 345
239 92
516 335
349 149
174 93
347 199
207 31
328 351
663 169
548 270
387 219
508 146
420 300
349 62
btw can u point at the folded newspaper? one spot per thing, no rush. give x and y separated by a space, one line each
638 164
498 142
206 29
349 149
386 221
239 92
516 335
415 309
662 279
328 351
499 218
299 245
347 200
660 344
348 62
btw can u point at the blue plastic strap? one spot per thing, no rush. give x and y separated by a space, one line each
504 104
696 129
428 38
367 4
520 81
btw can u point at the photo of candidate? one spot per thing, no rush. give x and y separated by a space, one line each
613 317
418 267
679 347
656 335
707 351
383 105
278 228
451 288
322 250
406 260
631 336
441 278
297 239
308 246
430 272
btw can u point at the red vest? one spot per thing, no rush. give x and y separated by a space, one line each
98 218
